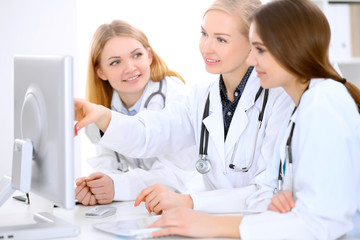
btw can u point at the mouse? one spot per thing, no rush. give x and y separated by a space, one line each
100 211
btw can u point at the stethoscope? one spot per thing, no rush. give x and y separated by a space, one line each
203 165
146 104
123 166
282 167
289 157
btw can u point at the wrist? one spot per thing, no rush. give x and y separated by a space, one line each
227 226
104 120
188 201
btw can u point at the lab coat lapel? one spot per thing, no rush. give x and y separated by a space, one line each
214 122
240 118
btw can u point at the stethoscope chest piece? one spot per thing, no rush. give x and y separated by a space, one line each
203 165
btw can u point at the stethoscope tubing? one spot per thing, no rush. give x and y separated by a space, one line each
122 166
203 165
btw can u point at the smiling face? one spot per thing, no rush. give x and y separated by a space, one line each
223 47
125 63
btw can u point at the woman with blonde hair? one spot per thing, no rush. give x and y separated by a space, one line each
126 75
101 92
224 46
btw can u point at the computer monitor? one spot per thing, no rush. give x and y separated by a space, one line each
43 138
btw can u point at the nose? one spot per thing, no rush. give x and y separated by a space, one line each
205 45
251 59
129 65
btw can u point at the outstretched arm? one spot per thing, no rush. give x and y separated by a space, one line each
86 113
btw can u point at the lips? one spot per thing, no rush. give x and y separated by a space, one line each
132 78
260 74
210 61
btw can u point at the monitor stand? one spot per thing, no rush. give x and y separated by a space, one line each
47 226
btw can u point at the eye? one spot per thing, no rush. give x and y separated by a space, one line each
204 34
260 50
137 55
114 63
221 40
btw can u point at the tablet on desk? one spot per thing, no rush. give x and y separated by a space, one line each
132 228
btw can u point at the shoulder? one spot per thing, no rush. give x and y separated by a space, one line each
326 92
329 100
172 84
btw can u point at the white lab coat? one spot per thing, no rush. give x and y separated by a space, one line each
179 126
326 170
174 170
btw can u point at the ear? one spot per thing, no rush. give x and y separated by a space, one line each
100 74
150 56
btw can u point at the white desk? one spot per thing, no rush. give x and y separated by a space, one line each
14 212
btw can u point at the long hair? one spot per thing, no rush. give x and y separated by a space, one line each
99 91
240 8
297 34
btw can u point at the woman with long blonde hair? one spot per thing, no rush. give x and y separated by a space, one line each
126 75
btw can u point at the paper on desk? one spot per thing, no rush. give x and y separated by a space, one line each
132 228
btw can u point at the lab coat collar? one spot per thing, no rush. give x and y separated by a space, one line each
240 118
118 106
214 122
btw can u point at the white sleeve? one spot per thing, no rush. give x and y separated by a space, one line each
165 169
128 185
104 159
253 198
223 200
150 133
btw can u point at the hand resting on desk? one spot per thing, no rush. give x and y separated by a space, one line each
158 198
97 188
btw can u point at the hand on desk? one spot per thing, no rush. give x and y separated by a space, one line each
187 222
158 198
97 188
282 202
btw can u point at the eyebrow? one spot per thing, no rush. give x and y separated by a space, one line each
257 43
120 57
217 34
113 57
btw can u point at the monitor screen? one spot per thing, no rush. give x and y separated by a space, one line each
44 114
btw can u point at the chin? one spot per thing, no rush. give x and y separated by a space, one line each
212 69
265 84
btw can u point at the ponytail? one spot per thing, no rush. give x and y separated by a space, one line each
354 92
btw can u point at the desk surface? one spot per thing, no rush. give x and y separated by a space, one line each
14 212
